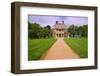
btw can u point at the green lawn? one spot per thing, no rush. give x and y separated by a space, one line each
37 47
79 45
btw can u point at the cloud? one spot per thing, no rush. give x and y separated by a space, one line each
50 20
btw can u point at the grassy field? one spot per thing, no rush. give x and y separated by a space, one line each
79 45
37 47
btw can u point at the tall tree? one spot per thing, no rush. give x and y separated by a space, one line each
85 31
81 31
36 31
33 30
72 30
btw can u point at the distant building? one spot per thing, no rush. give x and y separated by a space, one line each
60 30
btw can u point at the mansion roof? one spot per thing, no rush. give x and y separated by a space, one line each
59 25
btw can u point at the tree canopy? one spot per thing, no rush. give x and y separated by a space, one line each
36 31
78 31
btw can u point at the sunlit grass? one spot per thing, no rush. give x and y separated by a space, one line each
79 45
37 47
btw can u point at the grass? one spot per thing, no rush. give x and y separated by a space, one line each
79 45
37 47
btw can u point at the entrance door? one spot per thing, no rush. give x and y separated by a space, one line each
59 35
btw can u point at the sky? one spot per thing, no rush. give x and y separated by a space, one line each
45 20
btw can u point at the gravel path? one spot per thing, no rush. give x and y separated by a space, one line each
59 50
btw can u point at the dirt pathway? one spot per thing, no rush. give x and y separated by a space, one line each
59 50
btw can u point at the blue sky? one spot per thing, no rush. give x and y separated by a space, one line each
44 20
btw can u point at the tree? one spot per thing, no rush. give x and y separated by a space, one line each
33 30
85 31
74 30
48 31
81 31
36 31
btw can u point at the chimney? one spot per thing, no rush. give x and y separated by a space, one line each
62 22
56 22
